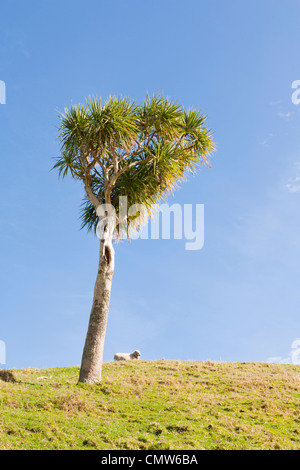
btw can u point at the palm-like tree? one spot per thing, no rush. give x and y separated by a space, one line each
123 149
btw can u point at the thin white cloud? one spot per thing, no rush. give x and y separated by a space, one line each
23 49
292 358
287 115
266 141
293 185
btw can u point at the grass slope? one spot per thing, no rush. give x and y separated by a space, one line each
154 405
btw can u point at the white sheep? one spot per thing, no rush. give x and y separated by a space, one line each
127 356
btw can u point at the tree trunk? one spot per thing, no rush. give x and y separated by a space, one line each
92 358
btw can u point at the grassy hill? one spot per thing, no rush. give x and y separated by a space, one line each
154 405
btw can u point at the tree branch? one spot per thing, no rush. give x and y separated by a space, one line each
117 175
87 179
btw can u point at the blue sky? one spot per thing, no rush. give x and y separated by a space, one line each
237 299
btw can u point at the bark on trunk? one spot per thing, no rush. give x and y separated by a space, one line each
92 358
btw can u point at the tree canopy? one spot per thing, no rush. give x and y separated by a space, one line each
120 148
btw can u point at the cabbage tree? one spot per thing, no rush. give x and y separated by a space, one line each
120 149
